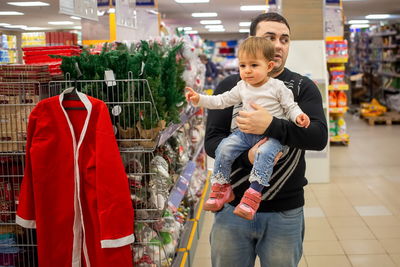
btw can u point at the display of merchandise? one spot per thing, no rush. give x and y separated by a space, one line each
156 156
8 49
337 50
30 39
44 56
376 56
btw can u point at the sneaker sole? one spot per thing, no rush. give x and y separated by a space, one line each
243 214
211 207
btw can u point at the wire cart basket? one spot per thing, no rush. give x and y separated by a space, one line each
136 126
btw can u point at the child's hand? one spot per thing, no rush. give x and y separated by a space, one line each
192 96
303 120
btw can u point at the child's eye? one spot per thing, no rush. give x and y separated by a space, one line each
254 65
242 65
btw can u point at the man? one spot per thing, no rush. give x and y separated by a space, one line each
211 69
277 230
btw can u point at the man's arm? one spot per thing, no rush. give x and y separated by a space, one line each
219 122
314 137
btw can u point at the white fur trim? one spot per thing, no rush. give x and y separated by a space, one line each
116 243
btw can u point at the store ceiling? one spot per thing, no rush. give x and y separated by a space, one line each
175 14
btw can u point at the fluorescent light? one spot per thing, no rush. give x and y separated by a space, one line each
78 27
359 26
77 18
210 21
191 32
214 26
35 3
10 13
216 30
377 16
60 22
358 21
254 8
16 26
191 1
244 30
244 24
204 15
36 29
187 28
4 24
152 11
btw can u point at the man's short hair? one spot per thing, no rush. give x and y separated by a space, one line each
266 17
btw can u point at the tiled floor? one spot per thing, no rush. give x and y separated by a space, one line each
355 219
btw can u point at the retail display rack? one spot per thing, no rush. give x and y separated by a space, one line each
165 231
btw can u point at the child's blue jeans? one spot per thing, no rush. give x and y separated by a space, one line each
233 146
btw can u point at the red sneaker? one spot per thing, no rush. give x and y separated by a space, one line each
220 194
248 205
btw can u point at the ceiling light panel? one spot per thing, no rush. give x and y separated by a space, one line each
377 16
210 21
244 24
16 26
204 15
33 3
358 21
214 26
10 13
191 1
77 18
359 26
191 32
244 30
60 22
254 8
4 24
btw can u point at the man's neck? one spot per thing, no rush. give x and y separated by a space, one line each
275 74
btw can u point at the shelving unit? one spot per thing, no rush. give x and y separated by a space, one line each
8 49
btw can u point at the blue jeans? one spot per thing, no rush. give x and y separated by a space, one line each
275 237
233 146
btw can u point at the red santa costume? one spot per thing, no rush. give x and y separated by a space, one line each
75 190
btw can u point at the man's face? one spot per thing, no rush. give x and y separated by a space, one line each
279 35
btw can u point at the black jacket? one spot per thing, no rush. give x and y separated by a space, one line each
286 185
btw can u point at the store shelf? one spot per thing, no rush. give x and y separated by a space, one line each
336 87
385 33
338 110
342 139
169 131
337 59
389 74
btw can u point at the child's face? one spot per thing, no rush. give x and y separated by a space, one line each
254 70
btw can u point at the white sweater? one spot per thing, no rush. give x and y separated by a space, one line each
274 96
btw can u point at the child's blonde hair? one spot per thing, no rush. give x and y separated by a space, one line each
254 46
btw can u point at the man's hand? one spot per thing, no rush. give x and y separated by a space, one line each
192 96
254 122
303 120
252 152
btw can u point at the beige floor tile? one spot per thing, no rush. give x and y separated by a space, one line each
319 234
365 246
371 260
395 258
377 210
346 221
392 246
339 210
310 212
353 233
328 247
201 262
203 250
303 262
382 220
315 222
382 232
327 261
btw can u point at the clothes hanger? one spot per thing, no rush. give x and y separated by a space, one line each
73 95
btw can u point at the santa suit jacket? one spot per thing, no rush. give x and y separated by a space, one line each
75 191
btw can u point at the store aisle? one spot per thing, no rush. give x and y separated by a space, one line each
355 219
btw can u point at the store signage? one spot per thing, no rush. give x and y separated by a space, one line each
145 2
80 8
181 186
